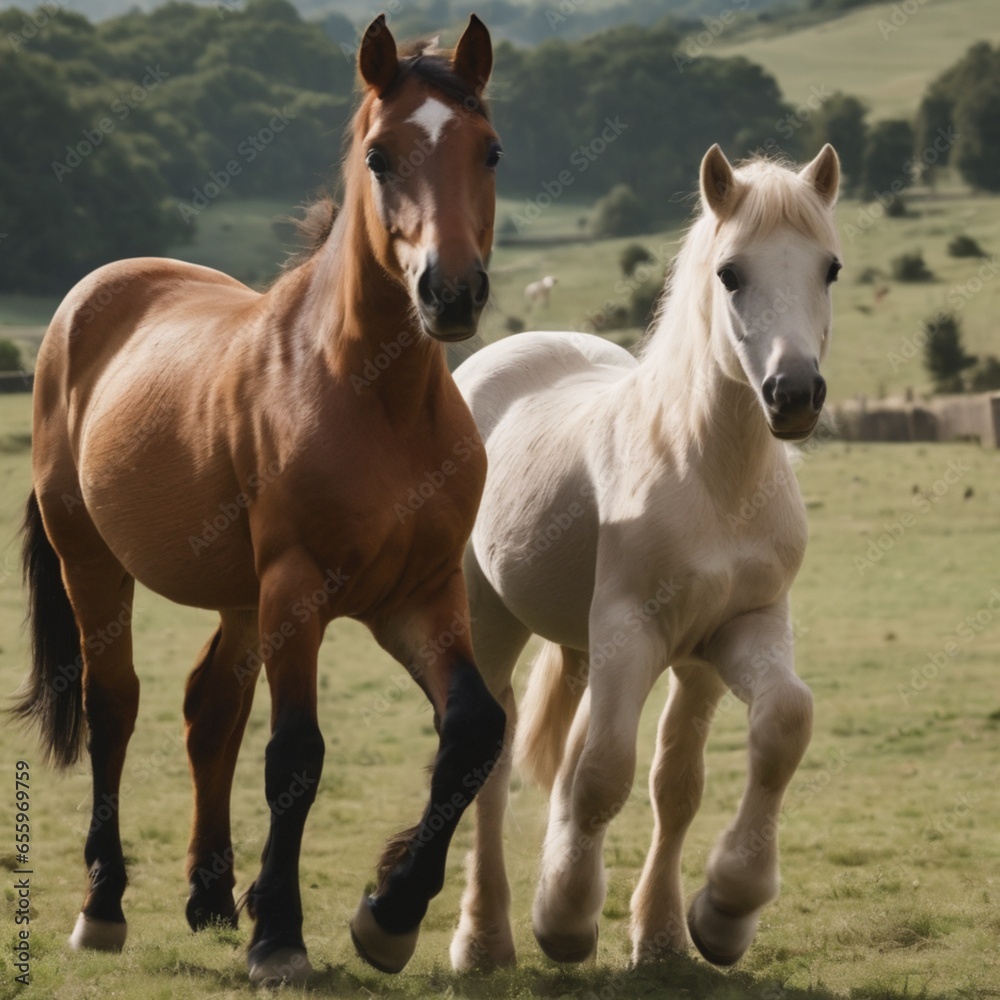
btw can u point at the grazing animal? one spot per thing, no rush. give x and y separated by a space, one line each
537 293
254 453
639 514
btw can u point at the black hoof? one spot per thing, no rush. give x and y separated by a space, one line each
207 908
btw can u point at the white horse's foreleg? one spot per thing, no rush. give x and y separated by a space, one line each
676 782
593 784
484 938
753 655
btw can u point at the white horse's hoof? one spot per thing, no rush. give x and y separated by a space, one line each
482 952
381 950
284 967
722 938
568 948
97 935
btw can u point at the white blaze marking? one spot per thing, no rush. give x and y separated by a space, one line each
432 116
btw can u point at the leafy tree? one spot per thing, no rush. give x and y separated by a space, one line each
840 121
911 267
619 213
888 152
977 122
944 354
10 356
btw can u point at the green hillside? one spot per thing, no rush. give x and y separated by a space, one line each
878 53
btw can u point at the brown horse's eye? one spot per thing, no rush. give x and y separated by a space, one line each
493 156
377 163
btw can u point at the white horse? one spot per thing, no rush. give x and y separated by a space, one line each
616 525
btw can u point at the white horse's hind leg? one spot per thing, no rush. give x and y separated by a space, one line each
593 784
484 938
676 782
753 655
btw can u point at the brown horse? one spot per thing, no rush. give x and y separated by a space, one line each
257 454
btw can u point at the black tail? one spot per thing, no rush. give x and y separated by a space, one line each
53 701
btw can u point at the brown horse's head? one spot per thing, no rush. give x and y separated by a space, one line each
423 138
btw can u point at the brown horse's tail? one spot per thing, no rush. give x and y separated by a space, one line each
53 699
555 685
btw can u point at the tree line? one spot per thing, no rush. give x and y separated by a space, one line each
116 135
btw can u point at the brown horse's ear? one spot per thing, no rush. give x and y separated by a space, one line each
718 183
473 59
377 58
823 174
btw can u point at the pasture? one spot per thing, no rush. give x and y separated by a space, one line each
886 53
890 855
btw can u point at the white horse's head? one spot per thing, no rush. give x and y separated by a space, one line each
776 253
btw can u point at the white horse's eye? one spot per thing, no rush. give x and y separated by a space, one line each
729 279
831 275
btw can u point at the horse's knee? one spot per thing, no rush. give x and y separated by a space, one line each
474 720
293 761
781 727
602 781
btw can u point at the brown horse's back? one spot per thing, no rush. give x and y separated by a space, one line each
132 421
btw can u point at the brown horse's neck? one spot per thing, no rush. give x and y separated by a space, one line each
363 323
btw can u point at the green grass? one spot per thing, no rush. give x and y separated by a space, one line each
888 69
890 856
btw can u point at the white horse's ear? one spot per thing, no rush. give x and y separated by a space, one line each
718 183
823 174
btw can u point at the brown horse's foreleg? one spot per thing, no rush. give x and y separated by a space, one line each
471 728
217 704
293 764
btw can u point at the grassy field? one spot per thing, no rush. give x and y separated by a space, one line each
886 53
891 862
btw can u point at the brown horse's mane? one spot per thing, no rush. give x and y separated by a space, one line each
424 60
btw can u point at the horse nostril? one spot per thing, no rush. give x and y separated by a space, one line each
424 289
483 293
768 389
819 393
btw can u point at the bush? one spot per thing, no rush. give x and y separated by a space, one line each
911 267
642 304
986 375
619 213
965 246
632 256
944 354
896 209
10 356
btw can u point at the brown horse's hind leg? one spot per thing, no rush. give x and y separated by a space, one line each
101 594
217 704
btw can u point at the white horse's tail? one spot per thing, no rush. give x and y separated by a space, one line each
556 683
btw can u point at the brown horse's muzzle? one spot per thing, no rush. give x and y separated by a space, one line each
450 307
